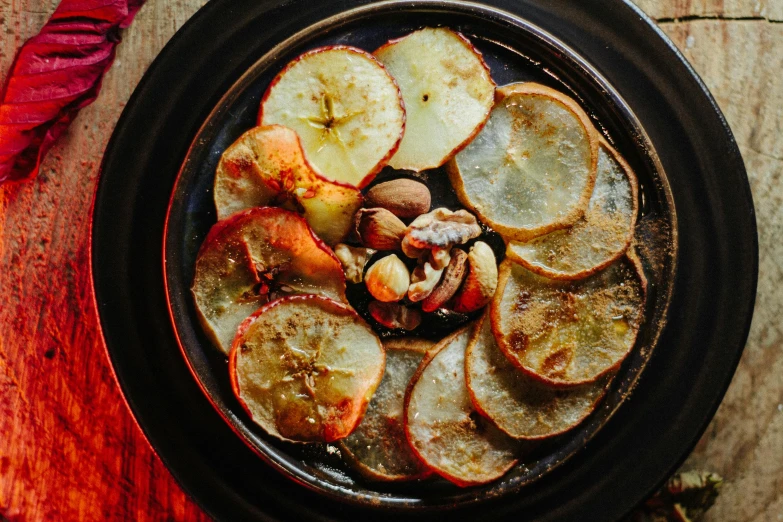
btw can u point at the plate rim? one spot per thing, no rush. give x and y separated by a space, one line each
746 196
270 59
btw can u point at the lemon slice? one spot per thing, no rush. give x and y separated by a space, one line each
252 257
345 107
532 168
378 448
600 237
444 429
568 332
519 405
305 367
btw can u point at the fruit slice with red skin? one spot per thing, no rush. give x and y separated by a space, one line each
521 406
532 168
600 237
568 333
345 107
448 93
304 367
378 448
266 166
255 255
442 426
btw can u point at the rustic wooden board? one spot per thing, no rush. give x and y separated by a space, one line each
70 449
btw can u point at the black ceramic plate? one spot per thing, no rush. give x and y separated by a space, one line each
636 87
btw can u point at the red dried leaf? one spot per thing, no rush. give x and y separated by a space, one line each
54 74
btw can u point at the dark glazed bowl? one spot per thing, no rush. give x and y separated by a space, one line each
656 414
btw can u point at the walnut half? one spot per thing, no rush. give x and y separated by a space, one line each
442 229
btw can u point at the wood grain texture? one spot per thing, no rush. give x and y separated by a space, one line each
70 450
741 63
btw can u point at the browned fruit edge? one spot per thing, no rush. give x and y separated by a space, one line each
417 346
312 168
428 357
467 43
572 276
485 414
383 161
526 234
324 301
505 273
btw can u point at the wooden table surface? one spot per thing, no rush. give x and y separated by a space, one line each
69 448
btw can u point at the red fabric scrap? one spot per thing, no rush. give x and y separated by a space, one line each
54 74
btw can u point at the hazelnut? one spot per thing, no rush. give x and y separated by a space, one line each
379 229
388 279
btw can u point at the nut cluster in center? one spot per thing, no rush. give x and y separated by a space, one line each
446 276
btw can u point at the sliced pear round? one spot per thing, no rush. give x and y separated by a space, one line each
521 406
305 367
345 107
252 257
442 426
532 168
266 166
601 236
378 448
448 93
568 333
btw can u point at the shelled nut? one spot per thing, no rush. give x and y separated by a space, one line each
353 260
423 281
388 279
449 283
404 198
481 281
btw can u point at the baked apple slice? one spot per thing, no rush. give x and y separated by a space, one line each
344 106
601 236
568 333
304 367
532 168
448 93
521 406
266 166
378 448
442 426
252 257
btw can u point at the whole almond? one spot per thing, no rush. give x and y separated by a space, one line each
402 197
449 283
379 229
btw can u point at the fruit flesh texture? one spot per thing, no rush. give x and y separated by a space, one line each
267 166
448 94
518 404
378 446
252 255
345 108
602 235
568 332
305 368
443 427
531 168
